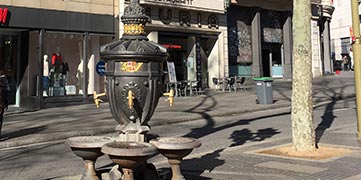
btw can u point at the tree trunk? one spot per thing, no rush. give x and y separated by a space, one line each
303 133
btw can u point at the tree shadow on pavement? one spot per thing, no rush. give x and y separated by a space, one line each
211 160
208 162
240 137
210 128
327 120
23 132
323 90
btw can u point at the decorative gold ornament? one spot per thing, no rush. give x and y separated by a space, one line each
134 29
131 66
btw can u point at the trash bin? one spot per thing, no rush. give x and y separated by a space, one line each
264 90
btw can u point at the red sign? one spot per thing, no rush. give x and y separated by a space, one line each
352 36
172 46
3 15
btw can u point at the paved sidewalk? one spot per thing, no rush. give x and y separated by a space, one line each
22 128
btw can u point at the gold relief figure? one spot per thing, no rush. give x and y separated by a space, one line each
131 66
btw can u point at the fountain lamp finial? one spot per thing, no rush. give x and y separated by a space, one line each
134 20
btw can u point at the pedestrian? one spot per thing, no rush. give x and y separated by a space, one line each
345 63
4 97
349 63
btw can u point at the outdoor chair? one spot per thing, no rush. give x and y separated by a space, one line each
194 88
218 83
182 87
231 84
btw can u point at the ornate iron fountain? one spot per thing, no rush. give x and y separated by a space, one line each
134 82
134 75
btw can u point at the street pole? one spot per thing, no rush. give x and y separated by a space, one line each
356 55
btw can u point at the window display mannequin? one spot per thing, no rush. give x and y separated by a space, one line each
56 62
45 76
57 81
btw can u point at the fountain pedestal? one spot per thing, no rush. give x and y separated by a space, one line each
175 149
89 149
133 132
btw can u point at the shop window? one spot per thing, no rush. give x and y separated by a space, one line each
345 45
64 64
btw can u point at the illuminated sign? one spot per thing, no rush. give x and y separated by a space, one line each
172 46
3 15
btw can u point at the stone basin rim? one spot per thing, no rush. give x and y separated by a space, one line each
88 141
188 143
145 149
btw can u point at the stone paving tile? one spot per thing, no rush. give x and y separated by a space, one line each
291 167
356 177
238 159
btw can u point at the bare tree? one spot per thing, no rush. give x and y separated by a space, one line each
303 133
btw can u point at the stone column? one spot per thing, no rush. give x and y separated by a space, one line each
256 44
40 72
328 64
287 47
191 59
327 11
85 67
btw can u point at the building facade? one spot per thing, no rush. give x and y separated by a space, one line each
341 31
260 38
49 49
195 34
322 63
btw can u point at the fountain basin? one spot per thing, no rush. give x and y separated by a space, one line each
88 147
175 149
175 143
129 154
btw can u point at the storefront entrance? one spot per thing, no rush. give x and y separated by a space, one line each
177 49
9 55
190 54
272 60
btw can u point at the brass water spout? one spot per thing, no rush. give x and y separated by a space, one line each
96 98
170 95
130 99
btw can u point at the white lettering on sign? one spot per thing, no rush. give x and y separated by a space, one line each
188 2
216 6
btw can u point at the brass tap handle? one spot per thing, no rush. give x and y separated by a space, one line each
96 98
130 99
170 95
